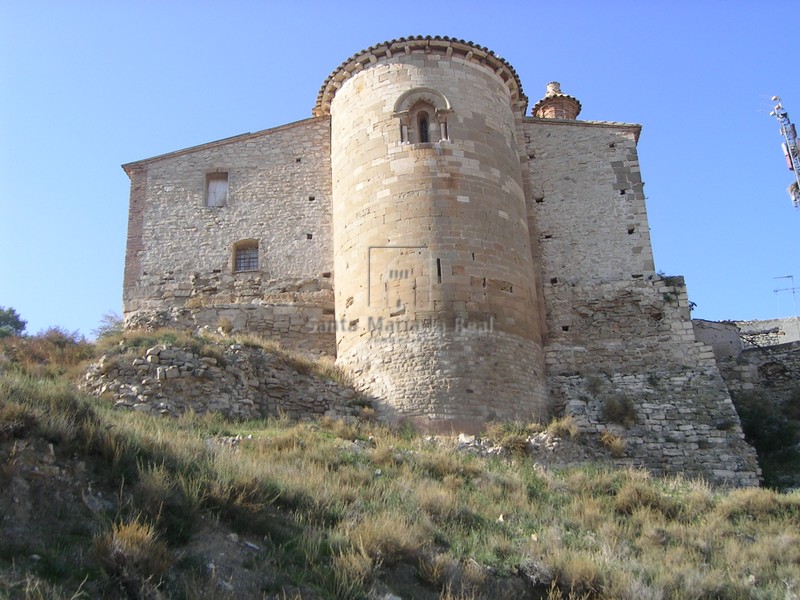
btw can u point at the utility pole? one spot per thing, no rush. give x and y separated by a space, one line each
790 148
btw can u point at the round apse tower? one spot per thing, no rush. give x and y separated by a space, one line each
437 315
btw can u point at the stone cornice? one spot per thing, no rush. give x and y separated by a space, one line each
634 127
429 44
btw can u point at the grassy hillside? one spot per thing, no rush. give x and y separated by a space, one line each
104 503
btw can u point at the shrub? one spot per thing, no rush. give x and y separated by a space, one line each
111 324
50 354
132 554
774 435
10 323
619 409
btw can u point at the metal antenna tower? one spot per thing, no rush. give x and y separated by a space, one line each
790 148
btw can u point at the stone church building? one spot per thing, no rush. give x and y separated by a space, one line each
465 258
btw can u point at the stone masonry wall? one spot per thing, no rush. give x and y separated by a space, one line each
588 201
179 266
450 380
771 367
623 359
242 382
431 235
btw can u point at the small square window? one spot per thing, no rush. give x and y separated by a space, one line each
246 259
216 189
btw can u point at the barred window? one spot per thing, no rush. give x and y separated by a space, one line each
245 256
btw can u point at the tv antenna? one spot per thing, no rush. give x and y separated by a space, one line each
790 151
792 289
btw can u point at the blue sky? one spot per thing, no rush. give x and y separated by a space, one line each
88 85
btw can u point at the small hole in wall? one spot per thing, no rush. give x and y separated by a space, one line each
298 160
328 311
554 280
473 256
309 236
612 145
547 236
622 192
631 230
539 199
565 328
326 274
484 282
311 198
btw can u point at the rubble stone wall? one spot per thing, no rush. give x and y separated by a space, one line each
179 265
243 382
626 361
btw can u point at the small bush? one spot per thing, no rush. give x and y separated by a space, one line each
111 324
619 409
225 325
132 554
51 353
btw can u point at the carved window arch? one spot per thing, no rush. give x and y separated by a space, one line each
422 113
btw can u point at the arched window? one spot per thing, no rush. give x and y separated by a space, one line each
422 127
422 113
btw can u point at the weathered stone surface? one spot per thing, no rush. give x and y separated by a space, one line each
489 265
244 389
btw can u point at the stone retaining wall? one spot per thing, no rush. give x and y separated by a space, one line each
241 382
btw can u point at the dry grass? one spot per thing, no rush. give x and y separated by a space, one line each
132 553
563 427
335 513
614 443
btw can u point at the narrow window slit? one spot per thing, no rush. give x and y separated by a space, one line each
423 128
439 270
